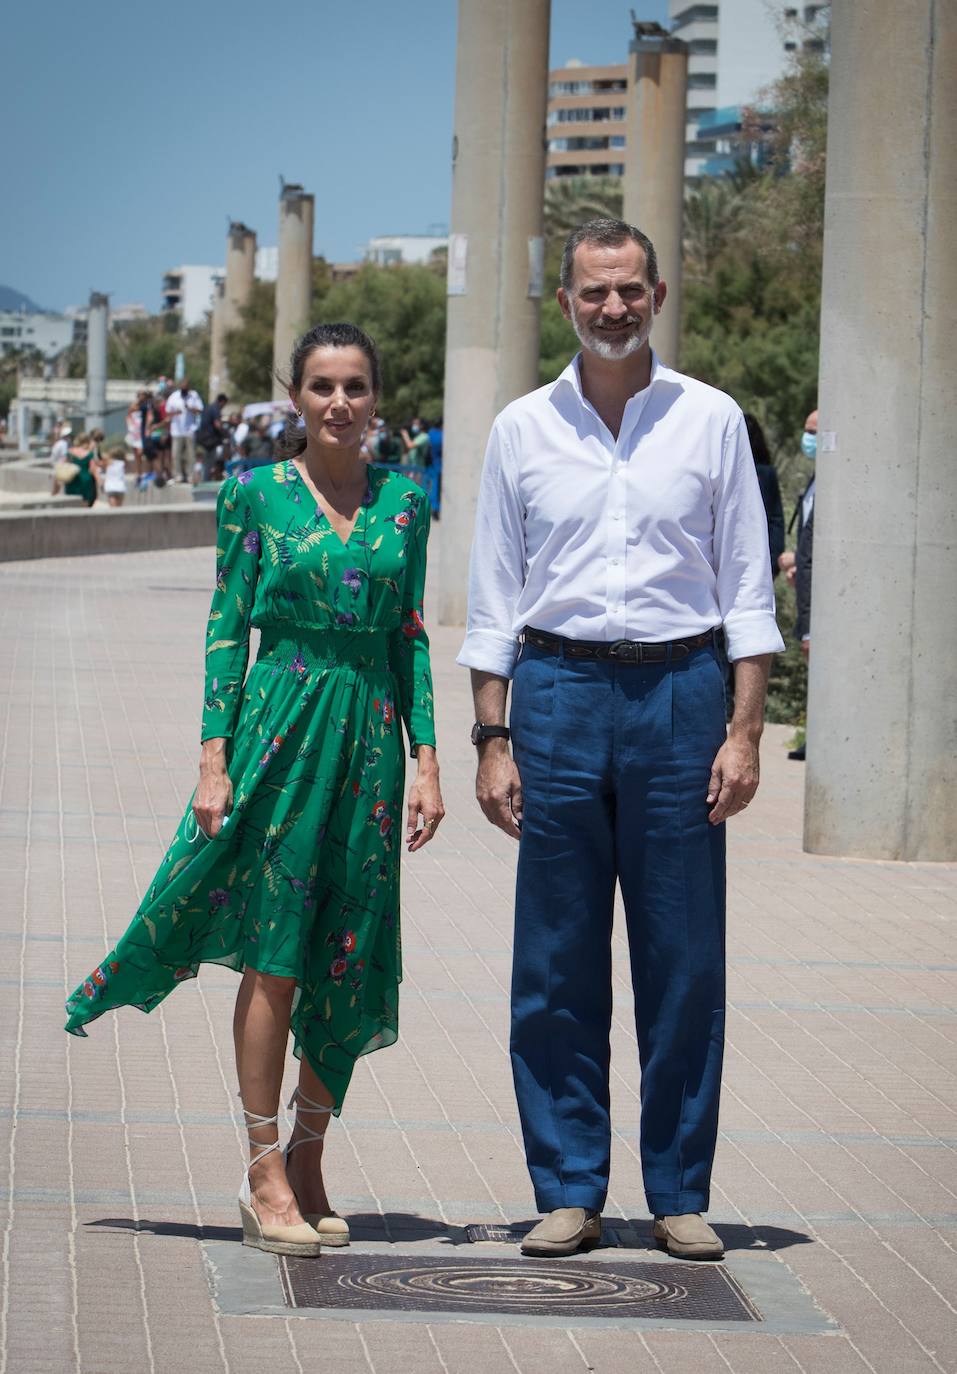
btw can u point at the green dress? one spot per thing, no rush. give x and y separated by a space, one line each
303 878
84 483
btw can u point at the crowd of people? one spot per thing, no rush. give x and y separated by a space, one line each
172 436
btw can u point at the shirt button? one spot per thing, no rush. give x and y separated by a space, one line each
615 562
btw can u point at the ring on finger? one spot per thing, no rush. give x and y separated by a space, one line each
430 825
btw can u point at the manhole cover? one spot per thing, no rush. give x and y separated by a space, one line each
514 1235
517 1287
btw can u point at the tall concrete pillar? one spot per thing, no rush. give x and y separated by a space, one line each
655 163
882 707
294 282
217 343
97 334
495 252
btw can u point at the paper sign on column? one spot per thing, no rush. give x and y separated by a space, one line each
536 266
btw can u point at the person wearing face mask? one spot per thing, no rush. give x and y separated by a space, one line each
418 447
796 563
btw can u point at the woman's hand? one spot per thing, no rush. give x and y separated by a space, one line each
214 794
425 800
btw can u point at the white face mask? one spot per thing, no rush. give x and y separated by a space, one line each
809 444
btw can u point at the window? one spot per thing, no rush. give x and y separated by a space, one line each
790 47
702 81
617 141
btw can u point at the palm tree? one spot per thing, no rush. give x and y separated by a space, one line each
569 201
712 217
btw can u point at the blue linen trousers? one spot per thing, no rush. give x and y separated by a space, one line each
615 761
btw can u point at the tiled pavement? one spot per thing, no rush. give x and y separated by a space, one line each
122 1152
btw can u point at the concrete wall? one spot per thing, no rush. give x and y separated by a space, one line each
67 534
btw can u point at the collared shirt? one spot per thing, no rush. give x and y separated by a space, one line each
656 535
184 413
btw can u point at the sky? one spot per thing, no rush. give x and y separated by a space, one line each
135 133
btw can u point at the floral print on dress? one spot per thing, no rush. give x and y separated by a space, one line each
303 879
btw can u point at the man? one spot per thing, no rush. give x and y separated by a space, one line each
619 522
796 564
60 453
183 410
211 436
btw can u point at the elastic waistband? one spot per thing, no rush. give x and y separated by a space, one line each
307 650
618 650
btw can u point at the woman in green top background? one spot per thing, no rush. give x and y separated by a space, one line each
85 454
286 866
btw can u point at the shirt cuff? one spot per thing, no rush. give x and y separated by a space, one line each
752 632
489 651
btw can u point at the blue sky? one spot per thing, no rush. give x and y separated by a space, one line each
135 133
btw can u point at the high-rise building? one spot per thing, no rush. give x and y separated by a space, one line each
736 49
586 121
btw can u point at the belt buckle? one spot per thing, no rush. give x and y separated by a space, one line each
625 651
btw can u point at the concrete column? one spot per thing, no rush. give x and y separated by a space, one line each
294 282
655 163
97 333
217 344
882 708
24 426
495 252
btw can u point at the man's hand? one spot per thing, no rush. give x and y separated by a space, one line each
498 787
787 563
734 778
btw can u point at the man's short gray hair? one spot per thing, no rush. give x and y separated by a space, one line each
606 233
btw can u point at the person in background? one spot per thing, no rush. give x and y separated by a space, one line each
435 440
183 410
238 434
796 563
60 453
86 481
770 489
259 444
113 468
210 436
162 443
134 433
418 450
388 448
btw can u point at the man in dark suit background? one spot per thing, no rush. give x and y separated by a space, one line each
796 565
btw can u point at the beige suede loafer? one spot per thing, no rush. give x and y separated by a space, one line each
688 1237
564 1231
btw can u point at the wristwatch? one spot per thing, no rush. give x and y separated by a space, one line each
482 732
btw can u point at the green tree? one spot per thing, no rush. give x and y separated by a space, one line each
569 201
249 348
403 308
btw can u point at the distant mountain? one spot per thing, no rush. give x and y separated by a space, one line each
16 300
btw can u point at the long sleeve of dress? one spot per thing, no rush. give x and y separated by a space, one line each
409 644
227 634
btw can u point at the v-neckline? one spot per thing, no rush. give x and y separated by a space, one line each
321 514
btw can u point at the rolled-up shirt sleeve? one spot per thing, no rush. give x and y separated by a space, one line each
497 567
742 560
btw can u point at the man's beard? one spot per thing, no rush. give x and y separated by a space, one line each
611 348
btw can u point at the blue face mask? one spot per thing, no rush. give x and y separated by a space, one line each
809 444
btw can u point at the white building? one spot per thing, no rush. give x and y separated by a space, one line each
48 334
267 263
736 48
188 291
388 249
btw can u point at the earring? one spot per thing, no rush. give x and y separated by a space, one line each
299 413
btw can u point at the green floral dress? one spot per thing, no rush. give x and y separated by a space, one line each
303 878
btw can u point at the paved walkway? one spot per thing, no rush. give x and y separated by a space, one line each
122 1153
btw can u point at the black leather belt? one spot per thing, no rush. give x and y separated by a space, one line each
618 650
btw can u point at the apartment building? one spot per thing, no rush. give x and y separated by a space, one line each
585 130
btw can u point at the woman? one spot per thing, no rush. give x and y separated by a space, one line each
134 432
85 454
287 865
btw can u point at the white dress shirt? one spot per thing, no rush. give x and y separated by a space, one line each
184 415
657 535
